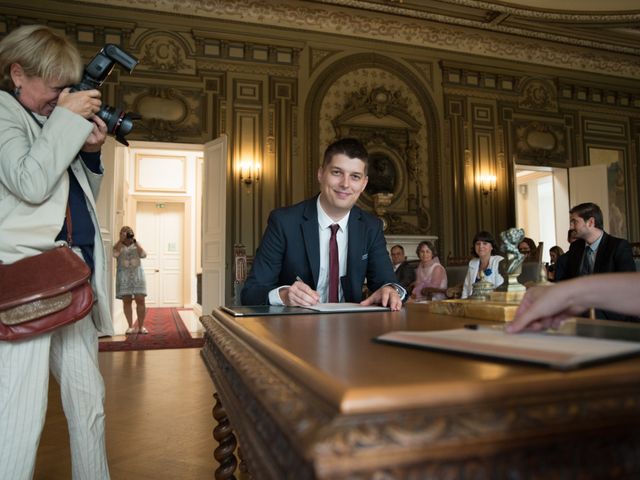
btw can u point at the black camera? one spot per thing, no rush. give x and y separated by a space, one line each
95 73
130 235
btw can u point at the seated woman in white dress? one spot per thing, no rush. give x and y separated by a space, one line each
485 264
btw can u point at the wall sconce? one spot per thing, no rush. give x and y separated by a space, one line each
249 171
488 183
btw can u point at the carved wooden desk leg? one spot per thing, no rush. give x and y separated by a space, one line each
223 453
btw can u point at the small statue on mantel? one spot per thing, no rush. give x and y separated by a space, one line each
510 240
511 266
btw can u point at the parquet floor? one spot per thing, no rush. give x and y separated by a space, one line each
158 419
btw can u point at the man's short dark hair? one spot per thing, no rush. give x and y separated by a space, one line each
397 246
587 210
350 147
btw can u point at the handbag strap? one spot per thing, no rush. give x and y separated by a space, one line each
69 226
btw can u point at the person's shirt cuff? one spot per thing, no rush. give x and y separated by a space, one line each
274 296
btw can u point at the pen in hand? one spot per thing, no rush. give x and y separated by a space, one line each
312 296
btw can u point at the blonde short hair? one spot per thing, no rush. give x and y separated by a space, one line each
41 52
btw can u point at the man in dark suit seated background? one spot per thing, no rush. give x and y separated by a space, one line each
298 249
405 272
595 251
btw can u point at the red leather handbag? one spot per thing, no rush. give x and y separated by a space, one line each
43 292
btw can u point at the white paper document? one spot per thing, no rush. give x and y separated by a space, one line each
346 307
557 351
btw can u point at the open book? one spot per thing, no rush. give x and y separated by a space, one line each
563 352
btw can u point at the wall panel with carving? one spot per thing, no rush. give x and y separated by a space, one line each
541 120
392 112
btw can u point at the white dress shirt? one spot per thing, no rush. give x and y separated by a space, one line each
324 231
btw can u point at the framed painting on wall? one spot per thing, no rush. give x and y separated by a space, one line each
613 159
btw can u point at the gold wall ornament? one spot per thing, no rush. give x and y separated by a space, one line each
537 141
380 203
167 113
165 52
537 94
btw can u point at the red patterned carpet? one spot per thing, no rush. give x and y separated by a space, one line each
166 330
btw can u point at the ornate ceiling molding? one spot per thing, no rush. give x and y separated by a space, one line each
420 29
491 16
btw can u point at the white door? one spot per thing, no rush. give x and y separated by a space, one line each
160 230
214 224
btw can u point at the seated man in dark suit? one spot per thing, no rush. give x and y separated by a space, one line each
323 249
405 272
595 251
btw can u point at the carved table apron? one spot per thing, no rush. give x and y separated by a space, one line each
313 397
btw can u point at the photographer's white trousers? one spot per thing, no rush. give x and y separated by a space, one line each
71 353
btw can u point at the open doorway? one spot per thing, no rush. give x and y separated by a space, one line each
544 196
174 197
542 205
158 192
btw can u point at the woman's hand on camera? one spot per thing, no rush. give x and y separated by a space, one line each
85 102
97 136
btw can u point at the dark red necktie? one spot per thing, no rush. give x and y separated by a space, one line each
334 265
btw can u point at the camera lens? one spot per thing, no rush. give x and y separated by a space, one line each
118 122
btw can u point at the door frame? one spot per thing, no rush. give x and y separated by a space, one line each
186 235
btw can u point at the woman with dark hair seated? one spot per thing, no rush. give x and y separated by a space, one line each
527 247
431 277
484 265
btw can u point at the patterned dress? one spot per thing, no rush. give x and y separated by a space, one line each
130 275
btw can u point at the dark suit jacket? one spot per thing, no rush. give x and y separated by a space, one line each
290 247
406 274
614 255
561 267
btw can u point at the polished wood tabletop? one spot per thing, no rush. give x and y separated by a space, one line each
322 379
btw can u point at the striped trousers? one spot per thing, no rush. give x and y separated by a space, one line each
71 354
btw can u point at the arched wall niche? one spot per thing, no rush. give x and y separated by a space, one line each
382 102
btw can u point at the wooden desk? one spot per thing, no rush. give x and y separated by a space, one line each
313 397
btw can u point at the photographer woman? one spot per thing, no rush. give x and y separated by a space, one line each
50 142
130 282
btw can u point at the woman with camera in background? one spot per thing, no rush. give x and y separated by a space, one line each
130 282
50 169
554 254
